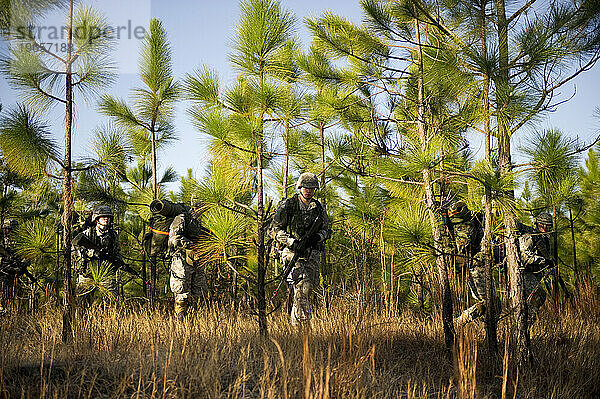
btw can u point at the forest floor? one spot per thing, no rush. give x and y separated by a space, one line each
349 351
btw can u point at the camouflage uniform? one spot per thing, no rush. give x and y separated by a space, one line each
291 222
534 249
106 245
187 281
468 234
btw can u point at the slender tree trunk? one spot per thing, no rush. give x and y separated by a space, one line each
57 271
67 218
260 228
491 319
286 159
440 258
556 270
153 259
260 239
516 292
144 256
154 163
573 244
324 266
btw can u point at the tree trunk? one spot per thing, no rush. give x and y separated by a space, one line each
144 257
491 319
556 271
516 292
575 272
260 226
67 218
440 258
324 266
286 159
260 240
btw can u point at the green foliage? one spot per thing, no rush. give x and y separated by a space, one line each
261 32
26 144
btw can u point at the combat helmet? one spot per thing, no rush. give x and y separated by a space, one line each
544 218
308 180
459 212
102 210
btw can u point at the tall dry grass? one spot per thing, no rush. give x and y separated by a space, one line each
350 351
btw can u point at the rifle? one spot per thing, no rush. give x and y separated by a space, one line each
83 241
300 249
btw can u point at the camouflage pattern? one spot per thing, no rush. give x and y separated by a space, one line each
108 242
291 221
187 280
534 295
536 260
308 180
102 210
467 232
544 218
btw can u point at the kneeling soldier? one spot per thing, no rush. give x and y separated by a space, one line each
98 242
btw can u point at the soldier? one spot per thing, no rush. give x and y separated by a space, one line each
182 227
536 260
11 265
98 242
467 233
294 219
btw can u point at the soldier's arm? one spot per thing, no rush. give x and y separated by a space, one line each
279 226
325 231
116 249
82 251
177 239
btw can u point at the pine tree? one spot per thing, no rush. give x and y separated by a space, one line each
47 78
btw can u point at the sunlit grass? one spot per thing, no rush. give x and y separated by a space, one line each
350 351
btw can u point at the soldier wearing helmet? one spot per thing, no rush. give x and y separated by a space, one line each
468 234
543 222
294 219
98 243
536 260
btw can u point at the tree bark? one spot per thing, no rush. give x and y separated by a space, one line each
260 240
260 227
67 217
516 292
491 319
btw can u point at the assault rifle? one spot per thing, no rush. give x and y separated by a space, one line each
83 241
299 250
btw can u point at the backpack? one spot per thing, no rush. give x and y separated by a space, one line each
156 241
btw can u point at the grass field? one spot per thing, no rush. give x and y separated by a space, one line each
349 351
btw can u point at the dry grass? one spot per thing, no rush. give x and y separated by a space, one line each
349 352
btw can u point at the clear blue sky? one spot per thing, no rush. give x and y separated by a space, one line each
200 33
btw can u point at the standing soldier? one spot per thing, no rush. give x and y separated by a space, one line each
98 242
536 259
11 265
467 234
301 226
182 227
